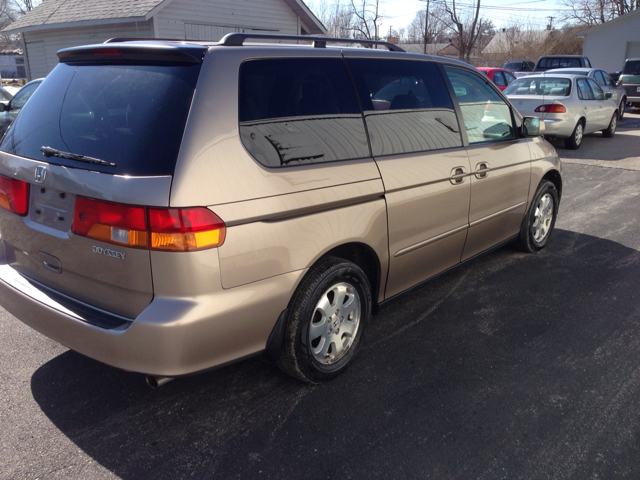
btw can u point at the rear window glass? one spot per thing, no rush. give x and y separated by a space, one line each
406 104
133 116
632 67
560 87
296 111
547 63
513 66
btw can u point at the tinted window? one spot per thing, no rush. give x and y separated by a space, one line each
547 63
406 105
513 66
598 94
631 67
296 111
487 118
133 116
539 86
584 91
498 79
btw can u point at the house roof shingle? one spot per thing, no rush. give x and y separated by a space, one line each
51 12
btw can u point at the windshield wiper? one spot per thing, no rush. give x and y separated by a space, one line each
52 152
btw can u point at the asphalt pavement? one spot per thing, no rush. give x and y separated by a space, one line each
511 366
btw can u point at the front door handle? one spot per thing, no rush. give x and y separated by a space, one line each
482 170
458 174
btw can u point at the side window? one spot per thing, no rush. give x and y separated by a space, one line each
296 111
509 78
584 92
498 79
598 94
587 63
487 118
599 78
406 105
23 95
608 80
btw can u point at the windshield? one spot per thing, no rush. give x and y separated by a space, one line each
512 66
560 87
631 67
130 115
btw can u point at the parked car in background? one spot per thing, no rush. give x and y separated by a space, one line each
9 110
602 78
5 96
167 229
615 76
548 62
630 81
501 77
570 106
520 68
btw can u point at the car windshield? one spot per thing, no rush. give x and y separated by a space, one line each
560 87
632 67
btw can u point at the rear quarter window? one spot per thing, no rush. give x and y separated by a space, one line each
296 111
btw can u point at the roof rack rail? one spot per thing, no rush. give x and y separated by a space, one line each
142 39
237 40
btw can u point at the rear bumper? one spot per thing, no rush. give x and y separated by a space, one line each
559 127
171 337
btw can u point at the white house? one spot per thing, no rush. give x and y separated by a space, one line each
57 24
608 45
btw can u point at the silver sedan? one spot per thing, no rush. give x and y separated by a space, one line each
603 79
570 105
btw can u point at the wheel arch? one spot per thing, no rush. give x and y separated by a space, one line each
366 258
554 177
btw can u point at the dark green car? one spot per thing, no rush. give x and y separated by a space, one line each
630 81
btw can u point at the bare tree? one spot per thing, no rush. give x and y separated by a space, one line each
419 31
466 26
595 12
337 17
367 15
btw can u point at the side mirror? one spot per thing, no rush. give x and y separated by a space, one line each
4 107
608 95
532 127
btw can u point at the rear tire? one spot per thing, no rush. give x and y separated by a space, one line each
611 129
623 105
575 140
540 219
326 321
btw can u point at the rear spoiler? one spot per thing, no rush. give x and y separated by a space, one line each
134 53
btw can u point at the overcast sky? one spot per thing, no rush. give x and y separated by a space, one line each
503 13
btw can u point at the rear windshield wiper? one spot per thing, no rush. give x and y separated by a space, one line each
52 152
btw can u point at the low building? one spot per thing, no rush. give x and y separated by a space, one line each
608 45
57 24
12 64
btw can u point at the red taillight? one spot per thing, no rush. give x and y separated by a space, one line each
170 229
14 195
107 52
554 108
110 222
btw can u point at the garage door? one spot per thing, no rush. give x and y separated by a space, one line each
633 50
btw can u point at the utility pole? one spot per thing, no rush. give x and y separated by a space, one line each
550 26
426 27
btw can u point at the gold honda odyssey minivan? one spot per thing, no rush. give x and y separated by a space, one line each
170 207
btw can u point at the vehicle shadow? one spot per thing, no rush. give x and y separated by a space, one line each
513 365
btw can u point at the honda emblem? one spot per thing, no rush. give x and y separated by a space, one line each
41 173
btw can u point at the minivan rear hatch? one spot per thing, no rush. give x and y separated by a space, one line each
102 132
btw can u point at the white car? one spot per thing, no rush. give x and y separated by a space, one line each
570 105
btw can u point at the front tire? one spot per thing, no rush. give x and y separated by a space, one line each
327 318
540 219
623 105
611 129
575 140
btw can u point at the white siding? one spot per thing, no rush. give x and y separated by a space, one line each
217 16
42 46
633 49
213 33
606 47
